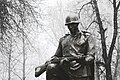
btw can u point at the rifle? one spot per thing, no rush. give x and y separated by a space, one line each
41 69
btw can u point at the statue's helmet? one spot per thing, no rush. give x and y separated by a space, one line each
70 19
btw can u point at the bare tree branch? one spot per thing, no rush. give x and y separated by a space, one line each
118 5
111 1
114 33
83 7
103 42
17 75
91 24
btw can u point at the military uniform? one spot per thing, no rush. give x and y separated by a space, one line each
77 69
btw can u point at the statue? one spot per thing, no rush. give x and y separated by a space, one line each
74 58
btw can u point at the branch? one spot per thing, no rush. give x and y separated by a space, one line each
83 7
29 70
91 24
111 1
114 33
118 5
102 71
17 75
82 25
102 31
31 10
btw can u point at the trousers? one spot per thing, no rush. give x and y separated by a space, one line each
55 72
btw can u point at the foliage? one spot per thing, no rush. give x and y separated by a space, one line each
16 18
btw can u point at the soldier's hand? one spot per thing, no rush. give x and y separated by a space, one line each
65 59
89 58
73 63
80 56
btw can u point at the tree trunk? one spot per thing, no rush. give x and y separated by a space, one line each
115 35
107 58
9 72
117 59
9 61
23 56
108 71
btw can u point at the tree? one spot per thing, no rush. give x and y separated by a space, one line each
106 53
14 16
107 56
116 73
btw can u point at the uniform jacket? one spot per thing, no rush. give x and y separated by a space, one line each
83 43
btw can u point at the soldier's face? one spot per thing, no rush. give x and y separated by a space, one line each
73 28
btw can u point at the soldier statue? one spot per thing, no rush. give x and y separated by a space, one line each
74 58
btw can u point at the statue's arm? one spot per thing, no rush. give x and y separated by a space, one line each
91 49
58 52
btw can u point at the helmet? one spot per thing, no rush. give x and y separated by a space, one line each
71 19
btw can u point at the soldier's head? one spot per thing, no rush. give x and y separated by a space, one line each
72 23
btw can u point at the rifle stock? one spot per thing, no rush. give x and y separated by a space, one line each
40 69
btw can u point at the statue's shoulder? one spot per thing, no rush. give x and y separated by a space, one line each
64 37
